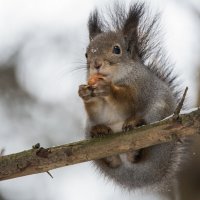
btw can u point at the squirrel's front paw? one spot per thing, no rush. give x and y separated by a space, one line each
102 88
131 123
85 92
100 130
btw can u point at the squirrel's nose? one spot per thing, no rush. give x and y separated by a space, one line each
97 65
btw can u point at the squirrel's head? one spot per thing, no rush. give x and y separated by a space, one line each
107 54
111 51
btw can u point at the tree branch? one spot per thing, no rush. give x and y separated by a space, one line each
38 159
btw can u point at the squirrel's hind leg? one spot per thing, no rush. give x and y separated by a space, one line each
103 130
130 124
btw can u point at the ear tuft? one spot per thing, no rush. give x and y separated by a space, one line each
134 16
94 24
131 26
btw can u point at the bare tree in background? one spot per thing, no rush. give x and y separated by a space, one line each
2 198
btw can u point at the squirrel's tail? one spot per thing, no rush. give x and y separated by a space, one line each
153 171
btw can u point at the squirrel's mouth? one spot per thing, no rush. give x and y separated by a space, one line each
100 73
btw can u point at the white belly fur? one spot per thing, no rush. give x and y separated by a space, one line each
111 117
116 127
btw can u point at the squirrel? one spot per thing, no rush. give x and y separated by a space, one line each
134 87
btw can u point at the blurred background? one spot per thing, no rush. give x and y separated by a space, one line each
42 47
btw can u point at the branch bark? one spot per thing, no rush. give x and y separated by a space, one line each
38 159
198 84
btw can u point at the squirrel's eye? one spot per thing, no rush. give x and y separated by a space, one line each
86 55
116 50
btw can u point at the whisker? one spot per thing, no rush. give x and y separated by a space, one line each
79 62
66 73
77 69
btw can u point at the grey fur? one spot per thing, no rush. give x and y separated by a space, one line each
153 81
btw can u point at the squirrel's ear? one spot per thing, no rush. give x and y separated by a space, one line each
130 28
94 24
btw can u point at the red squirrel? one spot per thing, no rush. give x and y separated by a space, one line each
129 85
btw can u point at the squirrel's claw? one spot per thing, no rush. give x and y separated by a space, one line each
100 130
102 88
128 125
132 123
85 92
